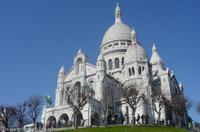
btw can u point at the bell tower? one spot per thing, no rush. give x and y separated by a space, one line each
60 87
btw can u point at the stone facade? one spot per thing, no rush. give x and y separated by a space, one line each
122 61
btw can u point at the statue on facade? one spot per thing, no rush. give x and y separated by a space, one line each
48 101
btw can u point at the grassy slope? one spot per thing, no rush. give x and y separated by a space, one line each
129 129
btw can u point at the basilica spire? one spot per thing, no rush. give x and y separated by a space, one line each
79 51
62 70
117 14
61 74
155 58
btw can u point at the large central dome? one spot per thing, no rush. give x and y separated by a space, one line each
118 31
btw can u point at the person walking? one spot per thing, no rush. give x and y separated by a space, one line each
138 119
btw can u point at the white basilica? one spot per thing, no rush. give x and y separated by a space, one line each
122 61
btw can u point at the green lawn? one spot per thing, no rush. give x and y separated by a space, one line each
129 129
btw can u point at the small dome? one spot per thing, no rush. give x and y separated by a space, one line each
135 52
118 31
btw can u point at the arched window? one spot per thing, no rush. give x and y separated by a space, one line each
123 61
110 65
129 71
63 120
65 95
77 88
116 62
62 97
139 70
143 68
78 65
91 82
133 71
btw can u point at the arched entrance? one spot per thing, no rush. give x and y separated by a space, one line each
51 122
109 118
63 120
95 119
80 120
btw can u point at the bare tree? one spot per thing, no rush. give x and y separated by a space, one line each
105 107
21 115
188 103
159 102
198 107
34 107
132 97
7 116
180 105
76 99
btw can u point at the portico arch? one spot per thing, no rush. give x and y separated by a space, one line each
51 122
80 120
63 120
95 119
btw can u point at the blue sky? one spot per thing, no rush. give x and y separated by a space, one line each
37 37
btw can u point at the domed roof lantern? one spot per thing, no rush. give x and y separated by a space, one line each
117 14
133 35
133 31
118 31
117 9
